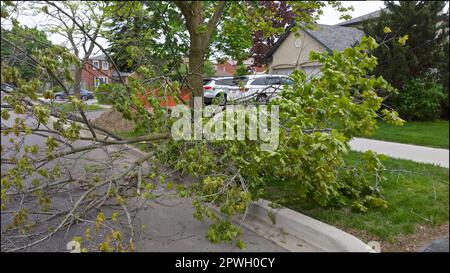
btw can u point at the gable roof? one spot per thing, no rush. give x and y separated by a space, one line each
336 37
331 37
362 18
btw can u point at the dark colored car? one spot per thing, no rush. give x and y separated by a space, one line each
84 95
7 87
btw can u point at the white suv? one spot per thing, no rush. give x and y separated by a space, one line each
216 88
262 88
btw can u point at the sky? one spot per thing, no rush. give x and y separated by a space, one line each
331 16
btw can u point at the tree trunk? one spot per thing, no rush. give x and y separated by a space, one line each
196 64
199 42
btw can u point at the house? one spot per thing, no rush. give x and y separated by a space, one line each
99 70
291 52
225 69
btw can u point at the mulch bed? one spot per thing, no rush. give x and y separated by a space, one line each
114 121
421 238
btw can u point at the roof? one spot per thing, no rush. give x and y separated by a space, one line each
336 37
122 74
101 57
361 18
221 73
331 37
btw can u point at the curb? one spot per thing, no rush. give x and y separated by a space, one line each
299 229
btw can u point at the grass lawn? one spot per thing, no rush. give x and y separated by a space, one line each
416 195
68 107
424 133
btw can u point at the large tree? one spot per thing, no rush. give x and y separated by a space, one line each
204 28
426 25
30 39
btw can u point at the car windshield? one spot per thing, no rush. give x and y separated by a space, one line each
207 81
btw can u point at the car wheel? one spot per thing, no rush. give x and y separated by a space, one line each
221 99
261 98
84 97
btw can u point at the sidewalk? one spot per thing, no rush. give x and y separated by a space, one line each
416 153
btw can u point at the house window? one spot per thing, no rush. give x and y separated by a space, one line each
95 64
105 65
100 80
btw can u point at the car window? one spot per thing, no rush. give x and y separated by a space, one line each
206 82
273 81
287 81
240 81
225 81
259 81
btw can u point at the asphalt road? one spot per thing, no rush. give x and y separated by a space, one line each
163 224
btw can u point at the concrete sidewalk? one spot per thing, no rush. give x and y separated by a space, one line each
403 151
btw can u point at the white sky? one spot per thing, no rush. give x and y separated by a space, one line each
331 16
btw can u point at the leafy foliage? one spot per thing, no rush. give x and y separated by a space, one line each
30 39
310 154
425 55
420 100
226 175
425 26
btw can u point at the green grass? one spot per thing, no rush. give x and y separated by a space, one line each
424 133
417 192
68 107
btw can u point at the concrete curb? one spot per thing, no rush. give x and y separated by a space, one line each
301 229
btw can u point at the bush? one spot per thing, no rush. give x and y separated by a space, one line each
419 100
104 94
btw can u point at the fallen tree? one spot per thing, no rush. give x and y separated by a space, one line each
58 180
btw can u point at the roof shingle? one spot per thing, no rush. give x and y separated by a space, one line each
331 37
336 37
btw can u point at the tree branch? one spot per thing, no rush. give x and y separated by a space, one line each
212 23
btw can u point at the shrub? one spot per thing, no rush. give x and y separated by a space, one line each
419 100
104 94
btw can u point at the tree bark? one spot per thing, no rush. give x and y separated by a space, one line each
199 41
196 64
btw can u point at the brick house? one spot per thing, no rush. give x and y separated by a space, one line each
98 70
228 68
225 69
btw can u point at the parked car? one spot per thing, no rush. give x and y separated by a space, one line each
262 88
84 95
216 88
7 87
